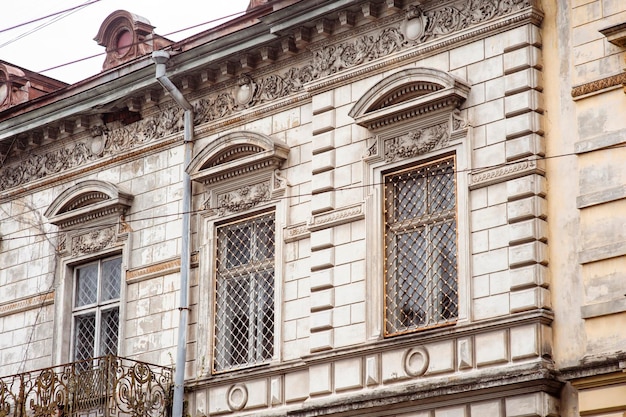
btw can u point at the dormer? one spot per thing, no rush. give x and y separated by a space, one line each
127 36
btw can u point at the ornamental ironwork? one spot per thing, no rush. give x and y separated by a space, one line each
99 387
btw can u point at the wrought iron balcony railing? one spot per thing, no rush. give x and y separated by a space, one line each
101 387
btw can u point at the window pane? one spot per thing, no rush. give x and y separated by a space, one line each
444 269
264 238
111 278
409 198
96 315
86 285
441 187
109 330
265 318
84 336
237 251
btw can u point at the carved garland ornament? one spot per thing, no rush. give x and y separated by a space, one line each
416 142
93 241
243 198
418 27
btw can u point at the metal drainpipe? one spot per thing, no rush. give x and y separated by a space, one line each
160 58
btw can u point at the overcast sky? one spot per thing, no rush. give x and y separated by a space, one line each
69 36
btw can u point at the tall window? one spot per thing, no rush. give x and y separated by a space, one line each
96 308
420 247
244 323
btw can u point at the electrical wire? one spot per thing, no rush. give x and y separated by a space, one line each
43 25
129 220
86 58
49 15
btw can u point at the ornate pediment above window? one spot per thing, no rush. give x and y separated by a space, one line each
240 171
88 201
409 94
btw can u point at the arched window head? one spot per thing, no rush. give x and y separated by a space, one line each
409 94
87 201
240 170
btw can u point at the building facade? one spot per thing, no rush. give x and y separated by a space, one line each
355 208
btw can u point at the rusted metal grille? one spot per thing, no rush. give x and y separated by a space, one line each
100 387
244 322
96 308
420 247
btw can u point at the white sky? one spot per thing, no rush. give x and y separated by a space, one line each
71 37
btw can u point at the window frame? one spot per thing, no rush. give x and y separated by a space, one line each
418 127
89 216
241 272
375 168
415 223
98 308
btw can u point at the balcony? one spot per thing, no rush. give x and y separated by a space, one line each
101 387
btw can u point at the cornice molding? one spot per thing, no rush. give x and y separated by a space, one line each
26 303
353 54
506 173
613 81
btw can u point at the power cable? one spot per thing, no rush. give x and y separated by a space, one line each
343 188
43 25
86 58
47 16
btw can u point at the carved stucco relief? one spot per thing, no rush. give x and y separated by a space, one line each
93 241
243 198
417 27
416 142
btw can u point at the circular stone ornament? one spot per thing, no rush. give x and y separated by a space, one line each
237 397
414 26
416 361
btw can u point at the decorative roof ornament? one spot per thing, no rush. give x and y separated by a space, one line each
127 36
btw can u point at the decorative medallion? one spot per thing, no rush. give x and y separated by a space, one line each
415 24
237 397
244 93
416 361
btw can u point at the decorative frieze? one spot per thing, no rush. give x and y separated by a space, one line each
613 81
36 301
296 232
336 217
422 26
328 59
243 198
158 269
505 173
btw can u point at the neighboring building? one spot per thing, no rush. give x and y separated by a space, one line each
382 208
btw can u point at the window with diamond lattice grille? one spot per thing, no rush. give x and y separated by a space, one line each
420 247
244 320
96 308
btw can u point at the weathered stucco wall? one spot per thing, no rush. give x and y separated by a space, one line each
540 240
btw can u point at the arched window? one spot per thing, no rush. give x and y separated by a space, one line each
90 217
242 215
412 167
